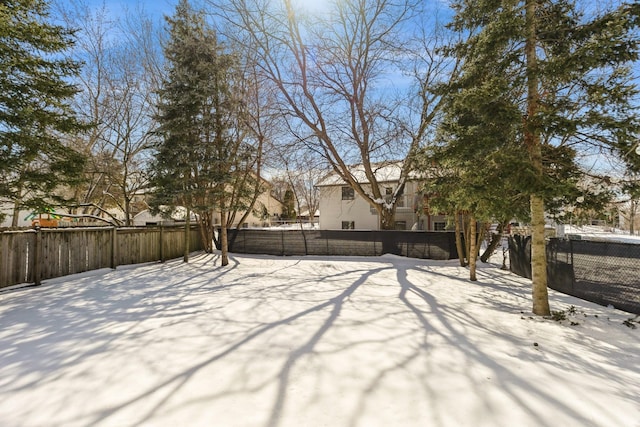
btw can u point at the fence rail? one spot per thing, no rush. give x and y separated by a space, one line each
601 272
413 244
33 255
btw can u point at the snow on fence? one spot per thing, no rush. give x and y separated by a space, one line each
33 255
413 244
603 272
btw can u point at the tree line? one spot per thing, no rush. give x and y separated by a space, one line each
505 109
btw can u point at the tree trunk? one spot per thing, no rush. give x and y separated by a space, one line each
187 236
16 214
387 218
633 210
467 236
532 141
459 246
127 211
493 244
473 248
481 232
538 258
206 230
224 243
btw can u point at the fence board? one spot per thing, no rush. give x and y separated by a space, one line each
16 253
66 251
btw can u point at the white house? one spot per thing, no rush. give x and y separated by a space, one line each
342 208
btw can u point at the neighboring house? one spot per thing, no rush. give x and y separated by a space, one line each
7 209
342 208
266 210
305 216
177 216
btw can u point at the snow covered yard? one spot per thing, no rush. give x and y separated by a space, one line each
306 341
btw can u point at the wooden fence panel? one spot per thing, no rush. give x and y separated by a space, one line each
16 257
5 262
49 257
174 247
152 248
128 244
75 250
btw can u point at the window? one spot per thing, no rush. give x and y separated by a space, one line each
348 225
401 225
347 193
388 192
439 226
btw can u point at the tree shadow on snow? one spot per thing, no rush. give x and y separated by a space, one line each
48 325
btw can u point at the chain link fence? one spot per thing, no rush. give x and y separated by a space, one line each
607 273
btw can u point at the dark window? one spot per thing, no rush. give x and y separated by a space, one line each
347 193
348 225
401 225
388 192
439 226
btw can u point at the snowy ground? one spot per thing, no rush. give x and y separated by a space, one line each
602 234
305 341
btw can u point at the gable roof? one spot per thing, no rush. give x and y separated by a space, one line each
384 172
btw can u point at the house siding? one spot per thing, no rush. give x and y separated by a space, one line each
334 211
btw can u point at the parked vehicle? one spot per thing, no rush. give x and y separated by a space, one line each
44 219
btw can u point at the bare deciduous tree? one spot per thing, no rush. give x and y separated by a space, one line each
120 74
344 82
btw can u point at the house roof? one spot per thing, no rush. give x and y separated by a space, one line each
384 172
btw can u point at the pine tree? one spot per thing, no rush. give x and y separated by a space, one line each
567 78
289 205
35 114
201 146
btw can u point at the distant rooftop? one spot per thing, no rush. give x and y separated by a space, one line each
384 172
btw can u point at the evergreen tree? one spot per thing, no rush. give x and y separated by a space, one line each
289 205
550 80
472 163
34 107
201 149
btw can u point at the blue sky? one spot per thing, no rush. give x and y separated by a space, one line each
166 7
156 8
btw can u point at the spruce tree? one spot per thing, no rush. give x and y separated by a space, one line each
562 80
200 145
289 205
35 116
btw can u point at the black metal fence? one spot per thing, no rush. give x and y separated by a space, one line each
413 244
601 272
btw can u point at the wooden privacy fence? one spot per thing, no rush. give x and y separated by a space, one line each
33 255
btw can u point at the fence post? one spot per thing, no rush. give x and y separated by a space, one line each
573 267
326 239
37 257
114 247
161 242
